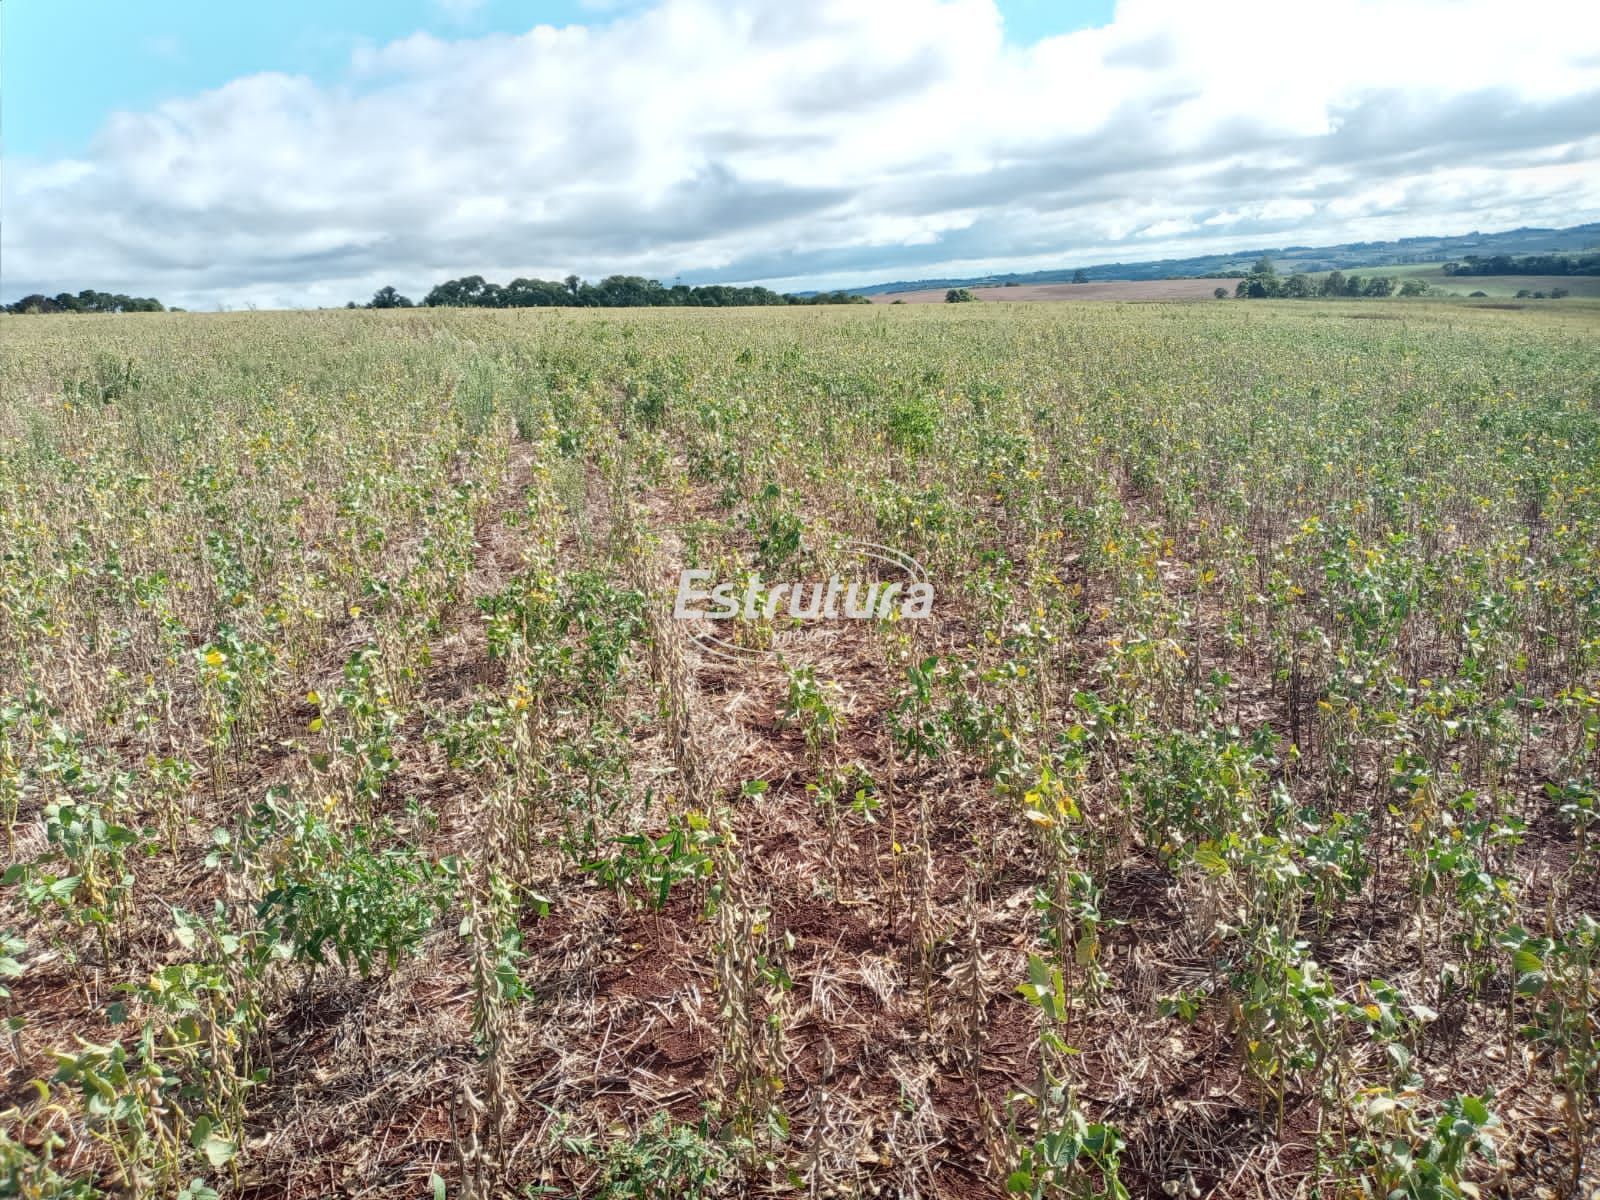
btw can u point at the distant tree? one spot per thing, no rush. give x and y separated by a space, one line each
1587 263
1080 276
1352 285
1220 293
88 301
1259 285
1378 285
830 298
456 293
38 302
1263 267
387 297
1477 295
535 293
1558 293
1298 287
630 291
1522 294
958 296
1414 287
1333 284
623 291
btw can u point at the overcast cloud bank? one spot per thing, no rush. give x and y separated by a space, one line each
827 145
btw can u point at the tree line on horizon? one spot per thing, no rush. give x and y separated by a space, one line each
473 291
635 291
87 300
1264 283
1527 264
614 291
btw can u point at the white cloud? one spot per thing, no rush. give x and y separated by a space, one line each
164 45
830 142
459 10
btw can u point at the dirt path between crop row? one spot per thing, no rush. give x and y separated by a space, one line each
365 1072
904 1042
865 911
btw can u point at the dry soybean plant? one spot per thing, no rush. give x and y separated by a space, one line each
1227 828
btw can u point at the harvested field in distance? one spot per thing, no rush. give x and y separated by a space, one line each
1227 829
1116 289
1576 286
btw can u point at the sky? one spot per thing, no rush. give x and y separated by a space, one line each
305 153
